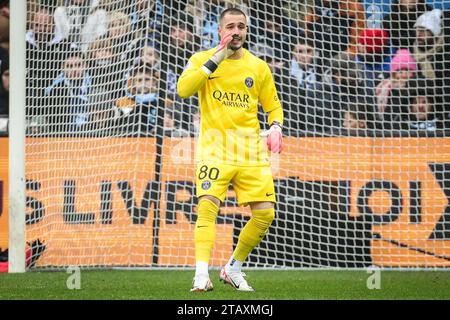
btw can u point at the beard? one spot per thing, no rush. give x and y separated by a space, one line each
238 46
235 47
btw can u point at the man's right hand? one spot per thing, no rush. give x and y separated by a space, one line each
223 51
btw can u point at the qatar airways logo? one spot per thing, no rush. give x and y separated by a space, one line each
232 99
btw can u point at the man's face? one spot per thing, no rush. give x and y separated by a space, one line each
4 11
180 36
149 55
74 68
421 107
274 64
103 56
144 83
304 54
424 37
351 122
273 27
5 80
43 25
118 28
401 77
168 121
236 24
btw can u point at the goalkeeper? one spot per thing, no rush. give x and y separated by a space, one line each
230 82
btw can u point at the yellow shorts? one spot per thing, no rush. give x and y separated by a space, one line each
250 184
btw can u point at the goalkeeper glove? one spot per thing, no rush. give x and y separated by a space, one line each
222 52
274 138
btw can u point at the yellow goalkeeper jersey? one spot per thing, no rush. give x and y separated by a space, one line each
228 98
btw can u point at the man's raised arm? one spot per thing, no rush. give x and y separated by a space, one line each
192 79
197 72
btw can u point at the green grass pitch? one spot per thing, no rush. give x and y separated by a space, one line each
273 284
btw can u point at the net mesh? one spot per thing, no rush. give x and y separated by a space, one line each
110 145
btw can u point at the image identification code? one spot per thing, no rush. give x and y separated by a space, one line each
227 309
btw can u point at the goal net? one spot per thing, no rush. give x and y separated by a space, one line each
363 179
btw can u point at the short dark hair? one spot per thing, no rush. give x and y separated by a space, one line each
234 11
421 87
344 65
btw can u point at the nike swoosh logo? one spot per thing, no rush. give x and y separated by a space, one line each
201 226
210 78
268 194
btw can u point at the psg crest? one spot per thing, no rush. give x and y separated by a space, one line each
206 185
249 82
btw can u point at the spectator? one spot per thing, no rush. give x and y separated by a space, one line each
67 99
298 11
355 115
136 112
81 21
326 105
335 25
4 24
433 53
403 67
41 37
304 68
4 88
422 106
430 47
183 43
206 14
267 53
147 18
147 52
45 52
4 8
373 55
121 34
400 22
303 75
272 28
108 72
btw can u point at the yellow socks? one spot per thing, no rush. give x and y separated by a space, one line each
250 236
253 232
205 229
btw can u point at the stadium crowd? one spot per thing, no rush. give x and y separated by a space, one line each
104 67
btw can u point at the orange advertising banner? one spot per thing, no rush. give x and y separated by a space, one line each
94 201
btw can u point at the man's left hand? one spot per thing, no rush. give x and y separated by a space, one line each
275 138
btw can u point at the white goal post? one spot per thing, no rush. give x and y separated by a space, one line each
101 148
17 140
